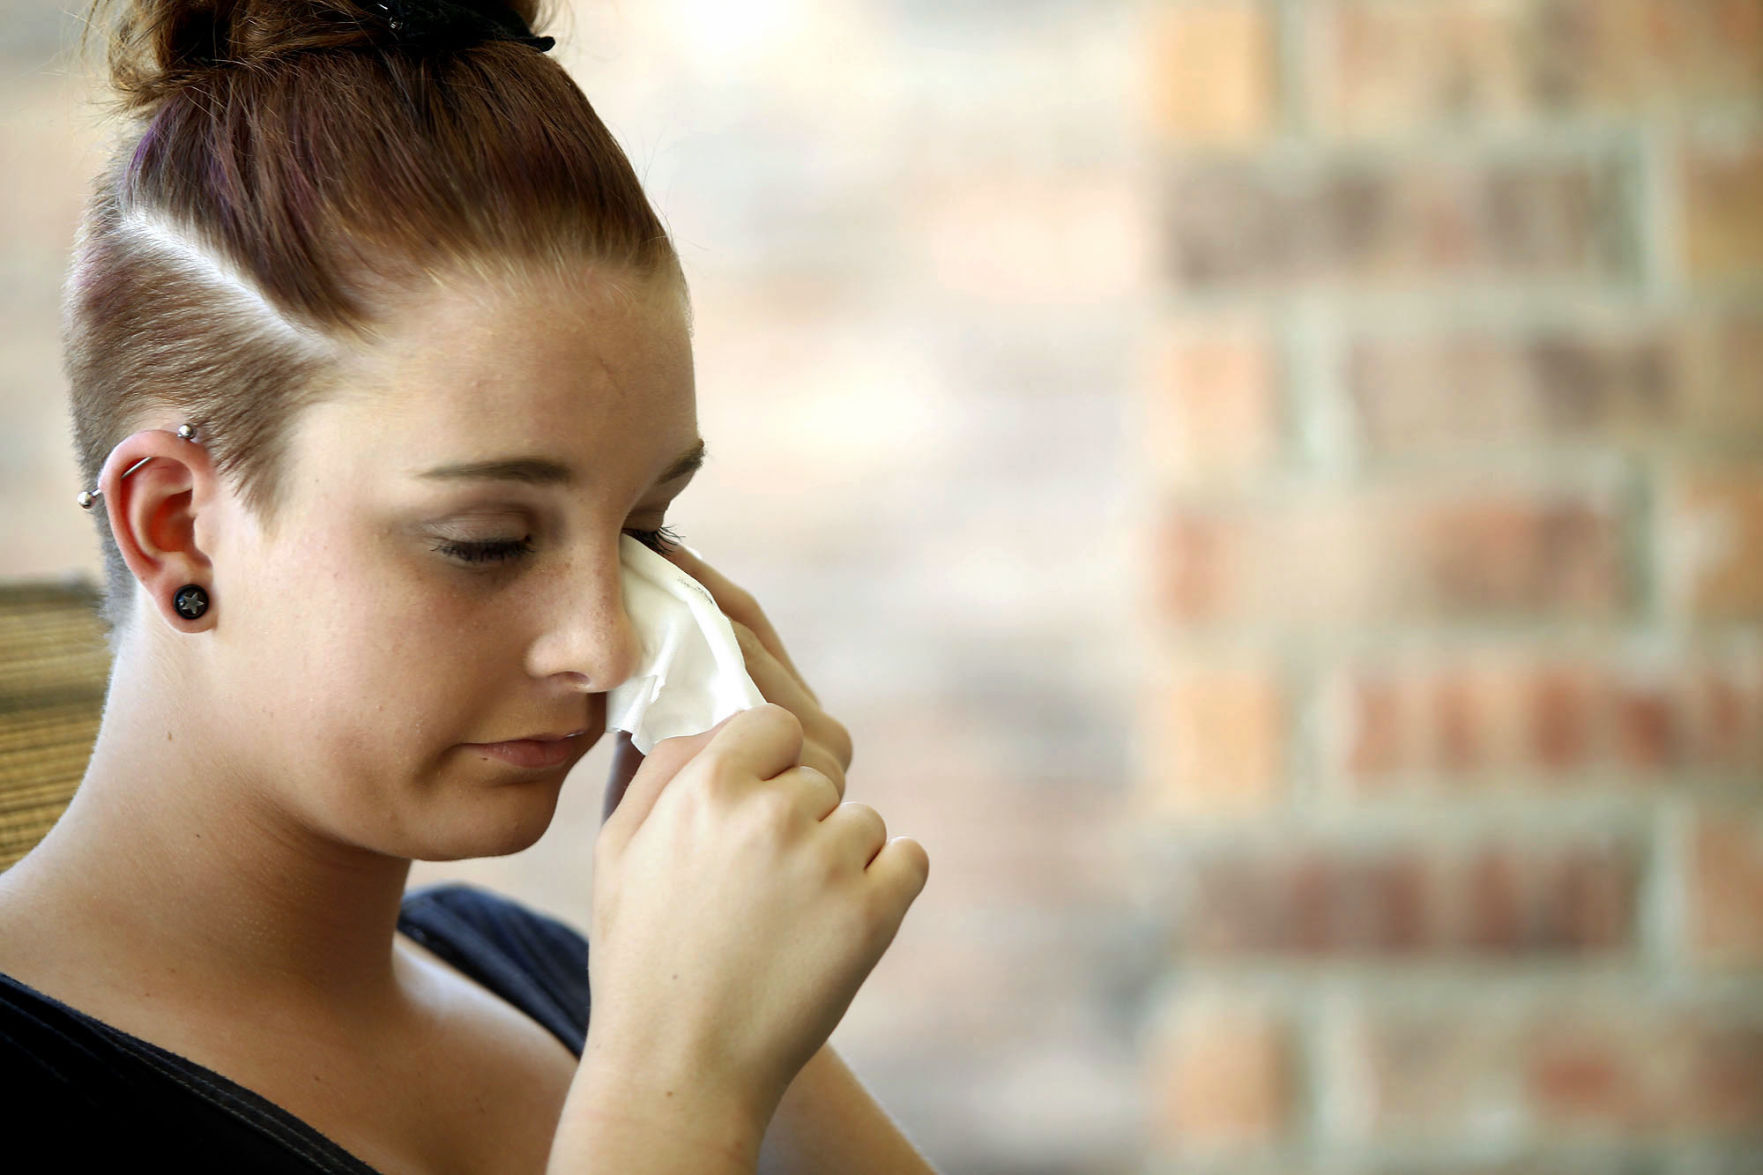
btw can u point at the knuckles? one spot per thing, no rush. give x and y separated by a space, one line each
775 811
869 816
824 763
785 717
740 600
840 740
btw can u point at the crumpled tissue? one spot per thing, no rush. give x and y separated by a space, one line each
693 674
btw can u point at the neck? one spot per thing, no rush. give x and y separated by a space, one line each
182 868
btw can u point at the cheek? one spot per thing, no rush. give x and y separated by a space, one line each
364 660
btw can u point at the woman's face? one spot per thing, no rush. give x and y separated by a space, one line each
446 568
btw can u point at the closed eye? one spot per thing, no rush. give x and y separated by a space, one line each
662 540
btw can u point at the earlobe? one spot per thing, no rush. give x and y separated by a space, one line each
151 521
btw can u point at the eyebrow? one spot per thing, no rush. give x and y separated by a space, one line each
544 471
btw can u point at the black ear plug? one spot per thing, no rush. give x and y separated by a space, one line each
191 601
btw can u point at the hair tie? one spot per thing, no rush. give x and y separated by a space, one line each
451 24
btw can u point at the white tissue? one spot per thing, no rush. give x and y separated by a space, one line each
693 674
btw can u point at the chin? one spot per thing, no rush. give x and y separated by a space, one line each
496 829
510 840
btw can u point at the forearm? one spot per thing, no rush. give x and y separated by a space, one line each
619 1120
828 1124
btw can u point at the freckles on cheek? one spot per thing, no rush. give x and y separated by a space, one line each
395 686
436 631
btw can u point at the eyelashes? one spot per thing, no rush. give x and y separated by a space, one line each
662 540
497 552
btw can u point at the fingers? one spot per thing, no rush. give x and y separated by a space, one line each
638 795
902 868
779 685
858 826
773 678
861 826
739 606
763 649
818 757
761 742
820 793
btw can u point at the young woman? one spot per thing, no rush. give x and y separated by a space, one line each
376 349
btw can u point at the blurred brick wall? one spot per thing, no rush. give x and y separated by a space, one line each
1451 776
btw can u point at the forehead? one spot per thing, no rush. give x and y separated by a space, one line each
469 369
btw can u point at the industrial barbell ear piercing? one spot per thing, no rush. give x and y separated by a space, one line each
87 497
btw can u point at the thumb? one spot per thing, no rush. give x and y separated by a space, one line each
636 780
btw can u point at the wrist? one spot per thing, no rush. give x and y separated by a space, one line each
618 1095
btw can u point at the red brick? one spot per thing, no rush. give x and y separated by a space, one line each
1214 742
1379 742
1200 559
1495 555
1560 704
1219 1074
1384 554
1721 214
1212 405
1212 72
1694 382
1706 50
1640 1079
1646 727
1392 68
1726 887
1593 899
1319 900
1711 532
1543 1158
1454 720
1403 67
1513 717
1253 226
1496 903
1599 1063
1720 729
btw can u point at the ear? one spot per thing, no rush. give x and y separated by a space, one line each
153 514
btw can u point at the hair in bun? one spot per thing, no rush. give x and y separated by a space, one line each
157 47
289 169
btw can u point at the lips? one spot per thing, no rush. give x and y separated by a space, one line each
533 752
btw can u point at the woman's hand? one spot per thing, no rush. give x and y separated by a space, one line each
826 744
739 900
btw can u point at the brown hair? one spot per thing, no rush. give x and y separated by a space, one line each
288 172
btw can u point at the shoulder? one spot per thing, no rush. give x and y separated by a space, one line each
486 912
471 916
537 961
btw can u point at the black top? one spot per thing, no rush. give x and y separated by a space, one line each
82 1095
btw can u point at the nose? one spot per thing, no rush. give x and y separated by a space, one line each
591 637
